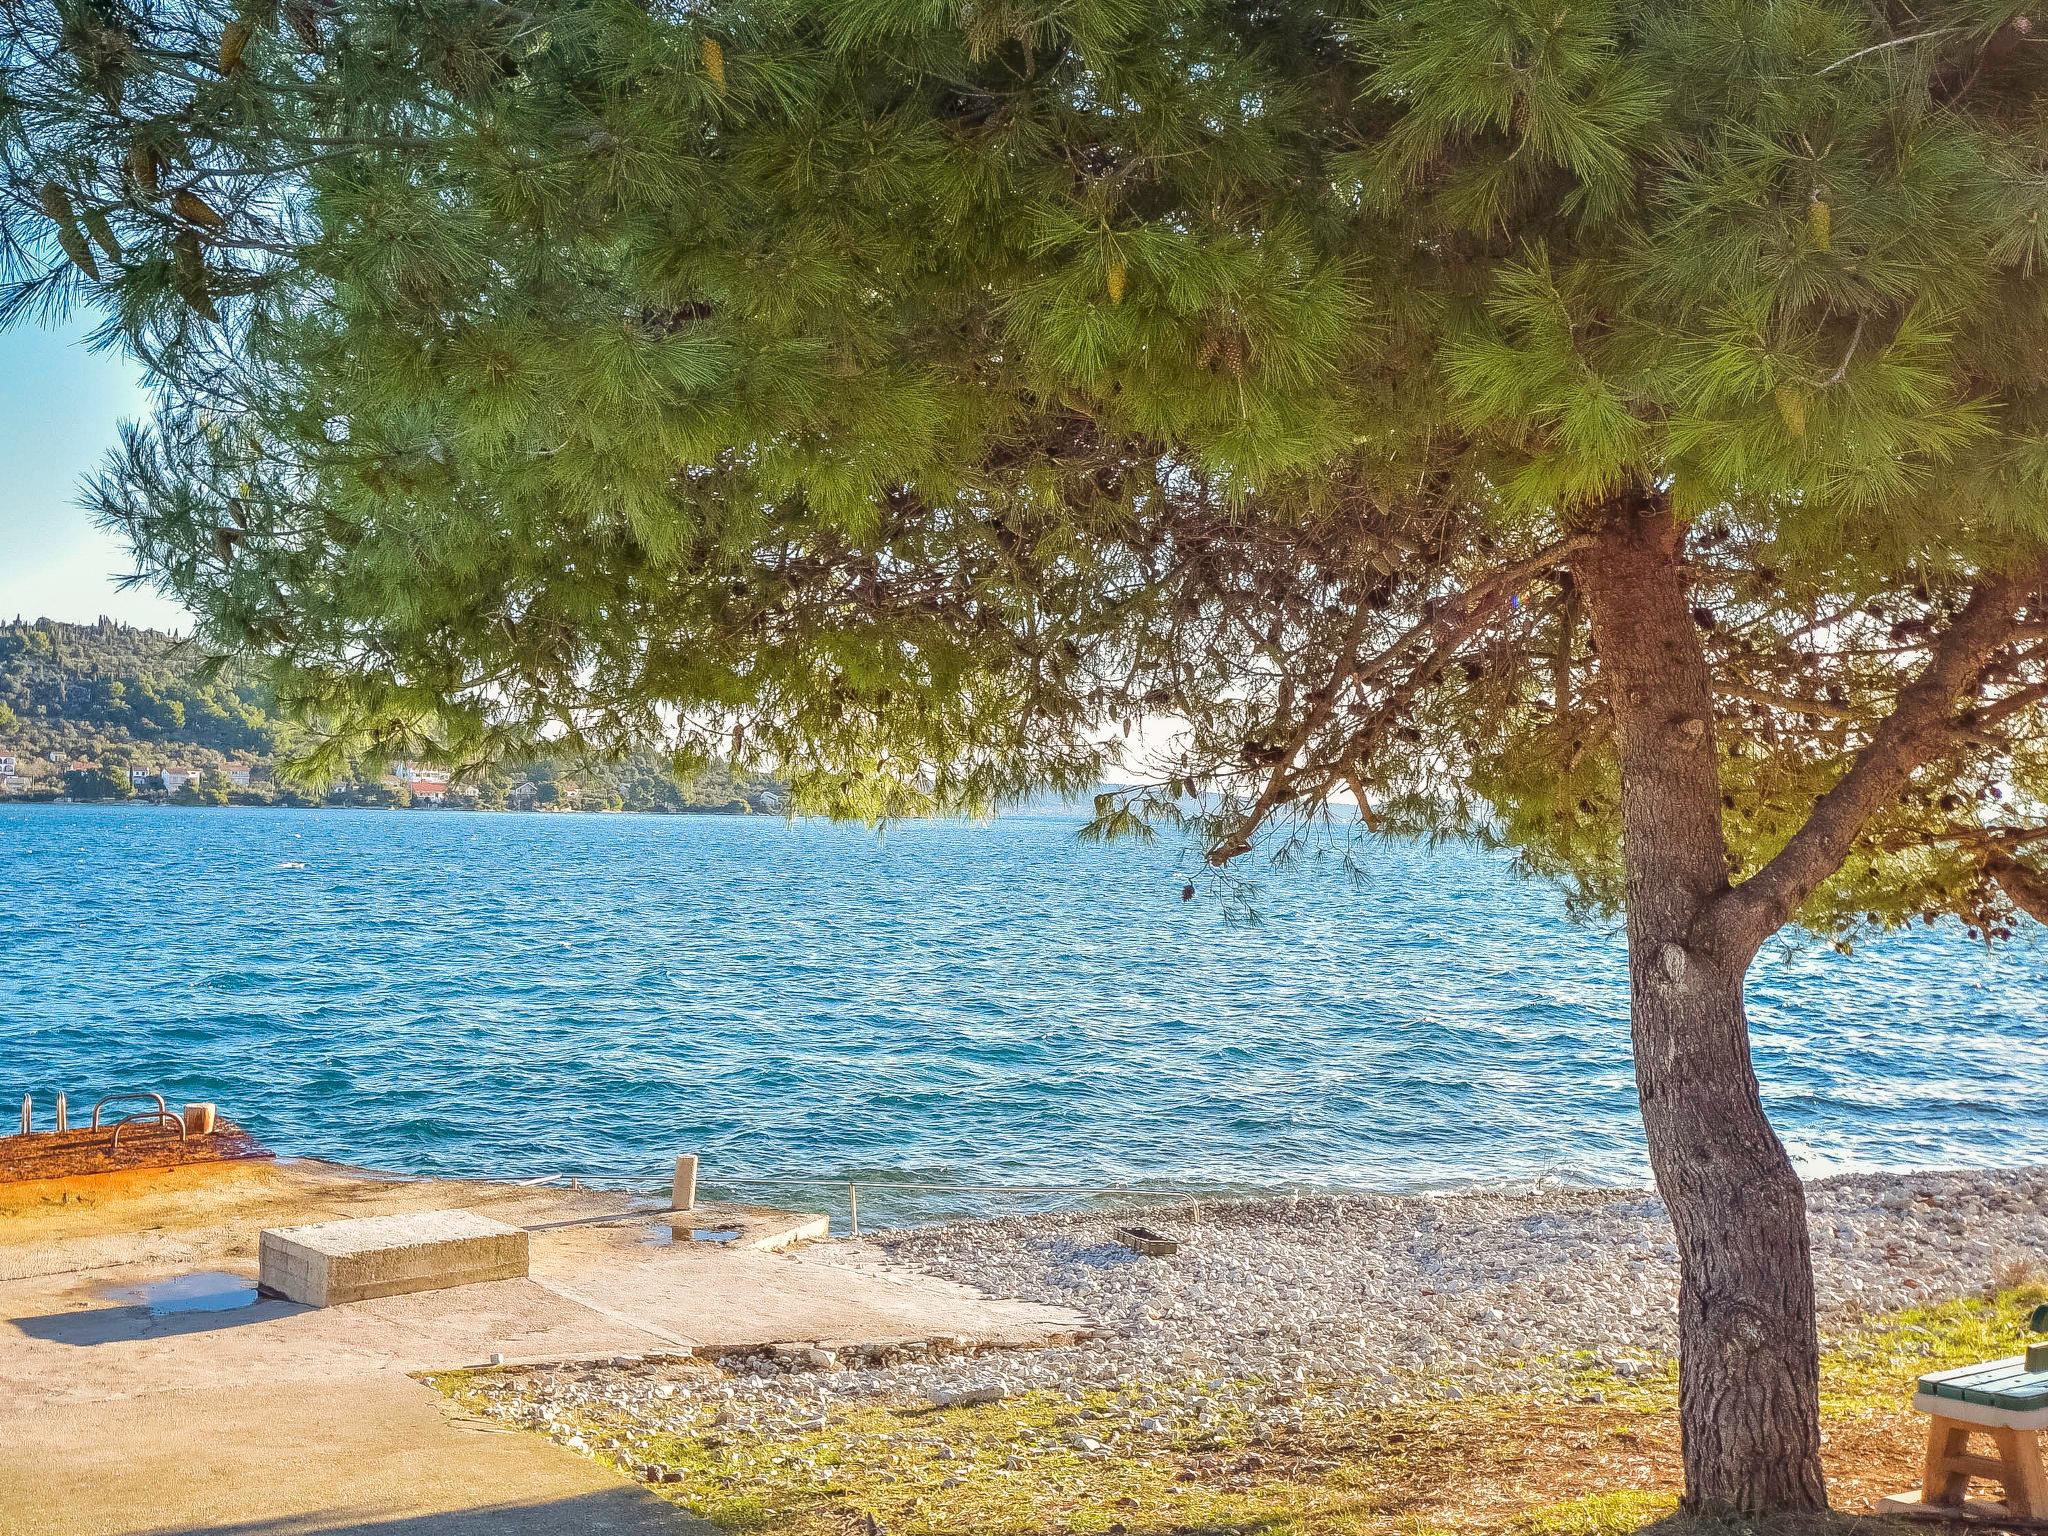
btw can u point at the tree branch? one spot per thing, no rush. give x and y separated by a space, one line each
1457 618
2012 704
1922 724
2025 886
1730 689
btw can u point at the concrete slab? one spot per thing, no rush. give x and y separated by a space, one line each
331 1263
150 1389
383 1457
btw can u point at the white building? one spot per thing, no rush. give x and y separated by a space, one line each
8 766
176 778
237 774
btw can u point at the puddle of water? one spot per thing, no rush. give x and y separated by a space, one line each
205 1291
662 1237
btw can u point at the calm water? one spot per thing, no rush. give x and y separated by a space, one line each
528 995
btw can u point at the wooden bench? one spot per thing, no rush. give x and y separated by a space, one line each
1999 1400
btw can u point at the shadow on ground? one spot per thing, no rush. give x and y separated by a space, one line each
628 1512
613 1512
1802 1525
114 1325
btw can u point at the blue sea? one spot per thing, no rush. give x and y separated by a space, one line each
948 1004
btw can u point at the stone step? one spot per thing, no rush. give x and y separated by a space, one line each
334 1262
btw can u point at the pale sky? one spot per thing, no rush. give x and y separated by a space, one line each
60 411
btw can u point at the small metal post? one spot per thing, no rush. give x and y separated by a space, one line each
853 1205
28 1113
684 1196
63 1124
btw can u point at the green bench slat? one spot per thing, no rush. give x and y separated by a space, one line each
1957 1372
1951 1382
2018 1401
1991 1384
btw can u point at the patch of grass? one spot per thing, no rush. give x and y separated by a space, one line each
1015 1468
1597 1458
1614 1513
1875 1366
1585 1377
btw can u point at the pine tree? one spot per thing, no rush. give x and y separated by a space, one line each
1611 430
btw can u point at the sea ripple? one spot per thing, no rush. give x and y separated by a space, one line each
528 995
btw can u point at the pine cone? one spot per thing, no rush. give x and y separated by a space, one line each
96 225
56 203
145 169
194 209
189 275
1792 409
303 17
79 252
234 37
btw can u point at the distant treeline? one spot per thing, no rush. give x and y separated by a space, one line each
87 710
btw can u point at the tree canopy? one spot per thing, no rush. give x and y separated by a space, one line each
907 395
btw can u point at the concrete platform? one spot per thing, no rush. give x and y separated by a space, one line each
362 1258
379 1456
152 1390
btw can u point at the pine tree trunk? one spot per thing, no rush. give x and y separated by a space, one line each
1749 1358
1749 1395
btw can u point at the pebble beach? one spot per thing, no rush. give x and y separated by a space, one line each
1274 1306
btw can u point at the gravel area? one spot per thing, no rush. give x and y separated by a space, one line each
1272 1303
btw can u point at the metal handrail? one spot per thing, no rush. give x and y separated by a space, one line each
162 1119
129 1093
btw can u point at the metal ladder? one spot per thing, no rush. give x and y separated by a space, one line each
159 1117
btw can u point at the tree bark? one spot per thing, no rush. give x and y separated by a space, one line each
1749 1355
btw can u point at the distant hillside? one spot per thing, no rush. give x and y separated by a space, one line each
122 695
132 703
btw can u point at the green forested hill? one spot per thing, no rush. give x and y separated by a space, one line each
126 698
120 696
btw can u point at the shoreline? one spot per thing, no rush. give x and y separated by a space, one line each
1352 1301
1167 1199
161 802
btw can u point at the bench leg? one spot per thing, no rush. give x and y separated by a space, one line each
2026 1482
1943 1482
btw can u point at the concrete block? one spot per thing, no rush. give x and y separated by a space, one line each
684 1197
333 1262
